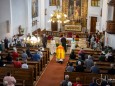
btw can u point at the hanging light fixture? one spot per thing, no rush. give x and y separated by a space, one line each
59 17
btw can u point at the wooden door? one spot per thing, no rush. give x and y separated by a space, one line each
54 26
93 24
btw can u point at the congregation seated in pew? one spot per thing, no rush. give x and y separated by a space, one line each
17 63
65 81
29 53
9 58
24 56
82 53
36 56
1 62
78 82
9 80
24 65
72 55
79 67
15 55
70 68
94 68
94 82
111 70
89 62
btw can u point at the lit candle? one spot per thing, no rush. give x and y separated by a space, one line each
101 76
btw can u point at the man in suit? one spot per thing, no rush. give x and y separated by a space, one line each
44 40
63 41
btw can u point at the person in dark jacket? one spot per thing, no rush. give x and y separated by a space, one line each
9 58
1 62
6 43
65 82
72 55
63 41
93 83
44 40
111 70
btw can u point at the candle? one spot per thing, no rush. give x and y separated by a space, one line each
101 76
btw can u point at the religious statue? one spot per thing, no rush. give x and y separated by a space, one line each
34 8
21 30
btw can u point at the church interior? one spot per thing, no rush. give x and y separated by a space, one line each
57 42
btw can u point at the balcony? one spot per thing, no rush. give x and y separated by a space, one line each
110 27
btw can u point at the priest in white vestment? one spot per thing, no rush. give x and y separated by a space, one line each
53 46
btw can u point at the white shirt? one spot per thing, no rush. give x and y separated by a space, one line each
25 66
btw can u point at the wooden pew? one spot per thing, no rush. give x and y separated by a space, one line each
19 82
103 66
86 78
88 52
19 73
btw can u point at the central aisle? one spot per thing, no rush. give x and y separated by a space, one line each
53 74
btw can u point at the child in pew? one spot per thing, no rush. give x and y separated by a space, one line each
25 65
9 80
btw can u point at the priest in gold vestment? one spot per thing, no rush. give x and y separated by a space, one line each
60 54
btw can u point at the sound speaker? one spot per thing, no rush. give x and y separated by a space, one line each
7 26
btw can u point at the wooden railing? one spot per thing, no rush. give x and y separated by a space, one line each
59 34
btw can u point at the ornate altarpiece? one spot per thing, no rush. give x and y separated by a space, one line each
76 11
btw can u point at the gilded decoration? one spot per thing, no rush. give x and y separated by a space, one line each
76 11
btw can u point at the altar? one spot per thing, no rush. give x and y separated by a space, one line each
73 28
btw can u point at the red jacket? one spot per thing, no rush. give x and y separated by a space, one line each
17 64
15 55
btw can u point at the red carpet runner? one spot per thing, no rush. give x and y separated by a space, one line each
53 74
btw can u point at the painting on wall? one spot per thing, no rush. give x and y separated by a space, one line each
34 8
77 9
70 8
54 2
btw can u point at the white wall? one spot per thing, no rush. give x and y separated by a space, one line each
49 11
109 16
18 15
5 14
94 12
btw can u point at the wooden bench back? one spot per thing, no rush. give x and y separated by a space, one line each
86 78
19 73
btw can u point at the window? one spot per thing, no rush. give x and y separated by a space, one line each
95 3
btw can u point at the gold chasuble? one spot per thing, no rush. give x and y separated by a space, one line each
60 52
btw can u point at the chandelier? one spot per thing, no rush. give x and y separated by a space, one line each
59 17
